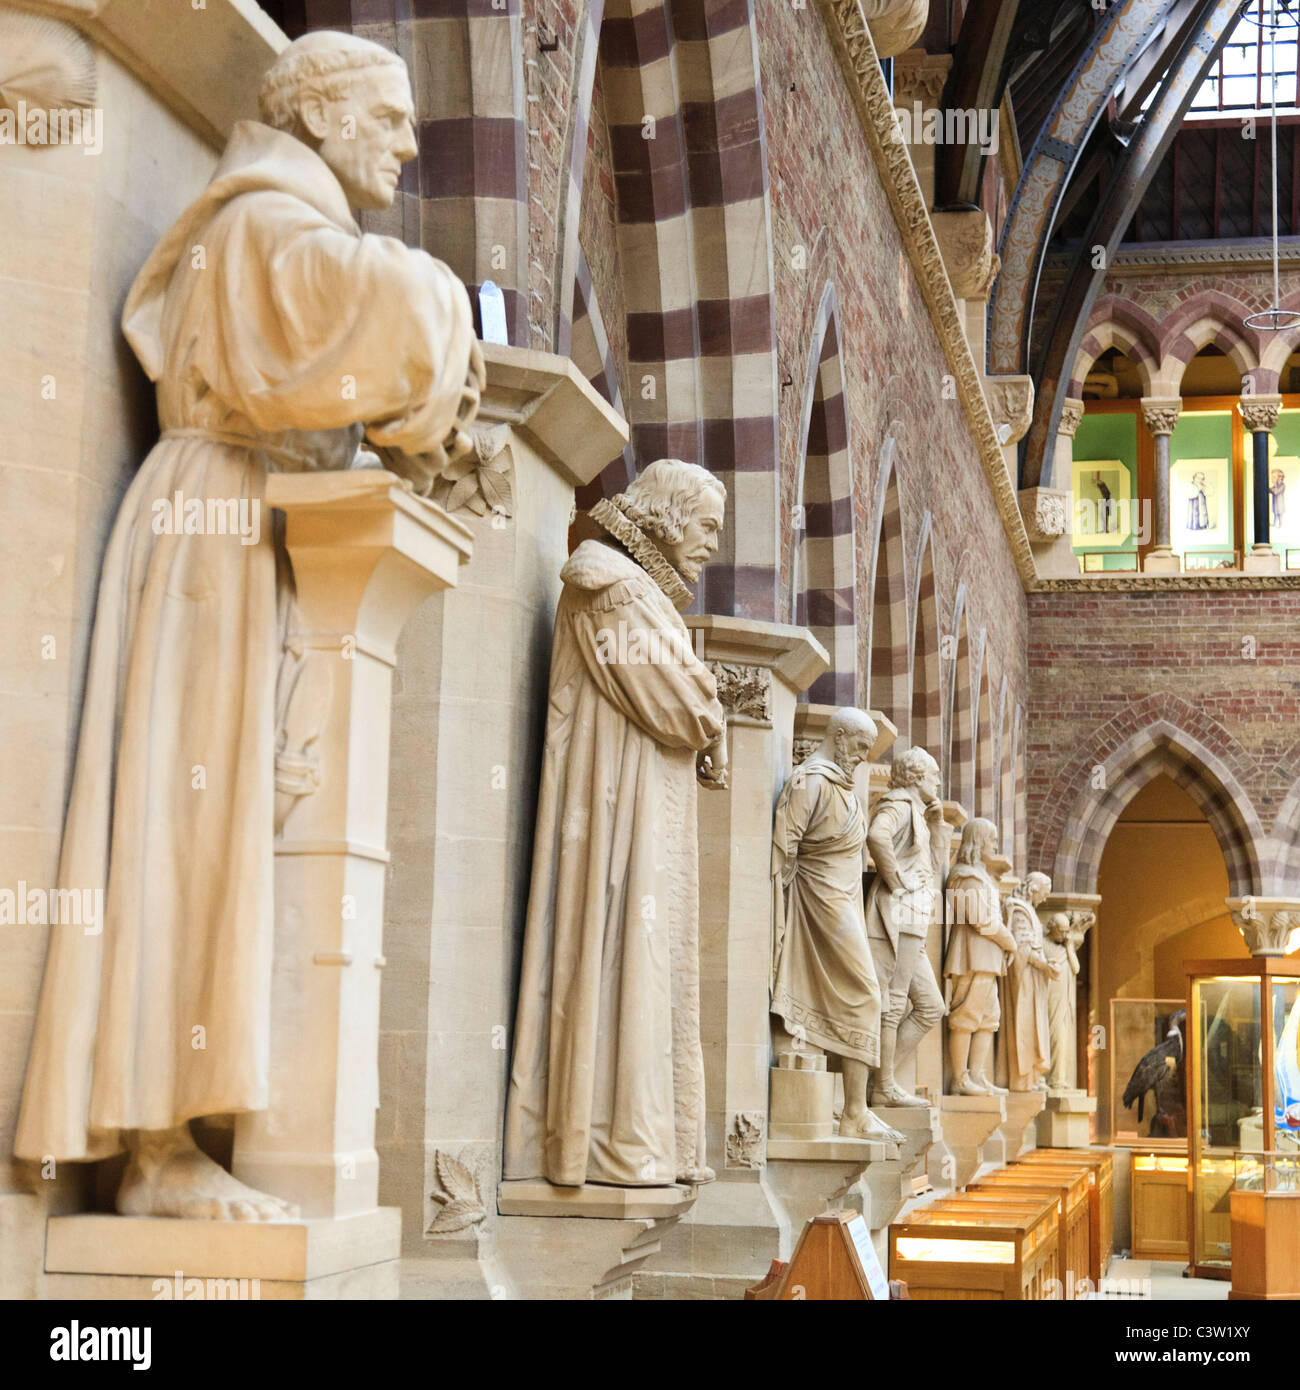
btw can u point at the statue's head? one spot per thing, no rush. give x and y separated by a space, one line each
680 507
1037 887
350 101
915 768
1057 926
979 841
850 736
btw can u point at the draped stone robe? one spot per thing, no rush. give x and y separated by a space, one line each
607 1078
276 333
824 982
1025 1029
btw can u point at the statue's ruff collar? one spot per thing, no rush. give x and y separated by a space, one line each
608 513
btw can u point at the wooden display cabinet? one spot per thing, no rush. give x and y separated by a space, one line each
1158 1197
1070 1187
972 1253
1100 1165
1237 1011
1266 1227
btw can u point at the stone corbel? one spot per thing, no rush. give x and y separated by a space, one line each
1266 924
1011 403
895 24
966 242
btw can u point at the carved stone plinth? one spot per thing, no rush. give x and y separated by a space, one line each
473 667
1265 924
1016 1134
130 1257
886 1187
364 551
1261 559
1066 1120
1162 560
582 1242
967 1122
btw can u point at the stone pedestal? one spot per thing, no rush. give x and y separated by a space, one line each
364 551
1162 560
887 1186
1066 1121
967 1123
1262 559
136 1257
602 1237
737 1226
468 719
1018 1133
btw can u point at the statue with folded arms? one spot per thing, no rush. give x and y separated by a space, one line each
279 337
979 946
910 862
1064 934
824 987
607 1077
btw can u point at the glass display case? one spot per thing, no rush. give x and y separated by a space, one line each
1266 1225
1243 1053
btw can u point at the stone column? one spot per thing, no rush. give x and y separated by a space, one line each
1066 1121
1266 924
364 551
1062 478
737 1225
966 242
919 80
1260 416
1161 416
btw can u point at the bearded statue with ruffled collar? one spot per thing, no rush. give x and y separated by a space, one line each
607 1079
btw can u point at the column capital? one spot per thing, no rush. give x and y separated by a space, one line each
1071 416
1161 413
1260 412
1266 924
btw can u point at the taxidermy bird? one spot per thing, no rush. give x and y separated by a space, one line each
1161 1071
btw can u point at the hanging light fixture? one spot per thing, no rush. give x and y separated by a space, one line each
1270 17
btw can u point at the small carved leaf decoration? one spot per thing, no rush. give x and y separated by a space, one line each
456 1216
497 491
455 1177
462 492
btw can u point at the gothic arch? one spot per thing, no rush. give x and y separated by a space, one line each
888 688
1116 323
1160 747
824 566
927 668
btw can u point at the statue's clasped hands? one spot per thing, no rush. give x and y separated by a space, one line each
711 764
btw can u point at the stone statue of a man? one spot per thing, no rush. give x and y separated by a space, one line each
1064 932
824 986
279 337
979 946
607 1080
1028 1044
900 910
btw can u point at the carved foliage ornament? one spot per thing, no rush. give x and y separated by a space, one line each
1045 513
1161 416
744 690
1071 417
1260 414
745 1140
1011 400
1266 928
44 63
461 1204
488 486
966 241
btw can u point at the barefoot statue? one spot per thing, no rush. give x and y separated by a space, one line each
824 987
979 947
1026 1035
279 336
607 1079
910 866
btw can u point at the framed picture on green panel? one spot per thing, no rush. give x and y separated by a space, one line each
1102 505
1200 504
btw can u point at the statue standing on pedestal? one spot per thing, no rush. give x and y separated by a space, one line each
607 1080
978 950
900 911
1026 1035
279 337
1065 932
824 986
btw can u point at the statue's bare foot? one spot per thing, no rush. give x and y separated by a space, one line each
894 1094
982 1080
868 1126
968 1086
696 1177
168 1175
